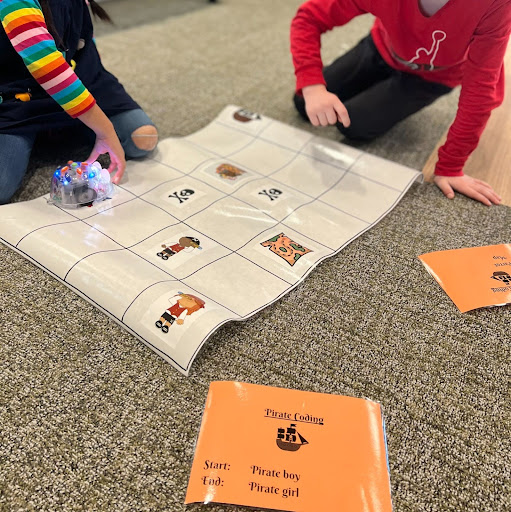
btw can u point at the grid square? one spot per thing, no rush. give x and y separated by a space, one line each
261 285
131 222
331 152
362 198
271 197
179 260
309 176
220 139
224 175
181 155
231 222
122 276
286 136
292 273
386 172
183 197
147 308
335 229
17 220
142 176
64 239
263 156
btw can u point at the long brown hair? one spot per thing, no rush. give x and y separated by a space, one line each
97 11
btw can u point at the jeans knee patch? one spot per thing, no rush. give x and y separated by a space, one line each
125 124
146 139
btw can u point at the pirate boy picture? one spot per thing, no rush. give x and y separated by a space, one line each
183 305
185 242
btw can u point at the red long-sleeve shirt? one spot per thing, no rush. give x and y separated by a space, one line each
464 43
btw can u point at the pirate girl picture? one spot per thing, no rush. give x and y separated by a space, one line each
183 305
185 243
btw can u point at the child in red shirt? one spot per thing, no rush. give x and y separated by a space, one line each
417 51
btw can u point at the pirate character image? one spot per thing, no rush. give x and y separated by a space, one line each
185 242
184 305
228 171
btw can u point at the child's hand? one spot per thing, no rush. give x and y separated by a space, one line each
106 141
323 107
111 145
470 187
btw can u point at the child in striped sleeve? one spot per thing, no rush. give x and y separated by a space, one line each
52 77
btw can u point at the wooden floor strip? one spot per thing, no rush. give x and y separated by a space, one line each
491 161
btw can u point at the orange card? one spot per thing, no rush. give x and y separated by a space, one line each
474 277
292 450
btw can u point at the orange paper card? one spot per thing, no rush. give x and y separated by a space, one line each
474 277
292 450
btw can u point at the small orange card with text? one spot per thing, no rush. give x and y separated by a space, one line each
474 277
285 449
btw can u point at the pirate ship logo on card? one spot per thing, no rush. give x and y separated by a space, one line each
289 439
182 305
272 193
245 116
284 247
185 243
503 277
229 172
182 195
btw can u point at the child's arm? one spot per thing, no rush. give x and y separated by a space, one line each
313 19
482 90
107 141
26 29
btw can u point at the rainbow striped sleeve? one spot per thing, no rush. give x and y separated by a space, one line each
25 27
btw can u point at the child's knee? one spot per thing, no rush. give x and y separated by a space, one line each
145 137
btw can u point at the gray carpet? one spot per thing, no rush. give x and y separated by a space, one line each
91 419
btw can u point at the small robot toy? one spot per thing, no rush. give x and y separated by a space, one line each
80 184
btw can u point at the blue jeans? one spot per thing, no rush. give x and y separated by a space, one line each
15 149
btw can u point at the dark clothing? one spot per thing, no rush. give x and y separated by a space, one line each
168 317
375 95
73 22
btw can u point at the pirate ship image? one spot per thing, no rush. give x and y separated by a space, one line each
290 439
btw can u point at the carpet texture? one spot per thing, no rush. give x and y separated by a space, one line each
91 419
